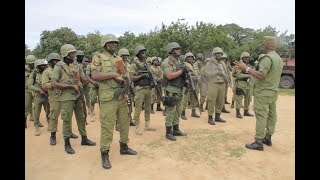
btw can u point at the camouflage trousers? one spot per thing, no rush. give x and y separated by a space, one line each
173 112
142 95
28 104
110 111
266 115
37 110
189 96
67 109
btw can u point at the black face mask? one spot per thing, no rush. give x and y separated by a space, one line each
41 68
80 58
31 66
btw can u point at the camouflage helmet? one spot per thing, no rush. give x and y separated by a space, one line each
217 50
79 53
30 59
108 38
260 56
39 62
171 46
160 59
148 60
189 54
66 49
85 59
182 57
154 58
123 51
224 55
199 56
244 54
53 55
138 49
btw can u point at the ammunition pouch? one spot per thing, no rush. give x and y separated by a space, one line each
239 91
179 81
169 101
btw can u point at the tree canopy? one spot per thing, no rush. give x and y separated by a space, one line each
199 38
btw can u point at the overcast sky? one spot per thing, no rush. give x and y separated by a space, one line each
118 16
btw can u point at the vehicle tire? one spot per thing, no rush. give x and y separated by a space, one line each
286 82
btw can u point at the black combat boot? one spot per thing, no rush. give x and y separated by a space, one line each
124 149
73 136
232 104
86 142
53 139
246 113
105 159
267 140
238 115
131 122
159 107
201 108
169 134
219 119
256 145
177 132
225 101
194 114
224 110
183 115
67 146
152 111
210 120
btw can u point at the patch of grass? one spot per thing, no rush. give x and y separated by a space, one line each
288 92
237 152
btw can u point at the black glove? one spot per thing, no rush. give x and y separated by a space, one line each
184 69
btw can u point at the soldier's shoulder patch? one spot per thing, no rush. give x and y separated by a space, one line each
96 63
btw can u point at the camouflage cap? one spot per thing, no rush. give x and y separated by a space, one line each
224 55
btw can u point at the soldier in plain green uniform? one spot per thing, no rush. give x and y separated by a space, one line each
203 85
34 83
107 70
224 59
188 96
29 68
216 85
157 71
242 87
66 77
143 89
174 82
266 78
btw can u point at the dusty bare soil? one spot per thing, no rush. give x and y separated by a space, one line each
208 152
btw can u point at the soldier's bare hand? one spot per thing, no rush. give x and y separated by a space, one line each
42 92
240 65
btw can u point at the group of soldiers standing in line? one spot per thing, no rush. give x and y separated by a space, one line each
69 82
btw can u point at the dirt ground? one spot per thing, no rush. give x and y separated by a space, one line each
208 152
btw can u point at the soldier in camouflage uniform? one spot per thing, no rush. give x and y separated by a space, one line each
216 85
29 68
110 71
142 81
242 87
190 63
93 89
79 59
266 78
203 85
156 70
174 82
40 96
66 76
224 60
